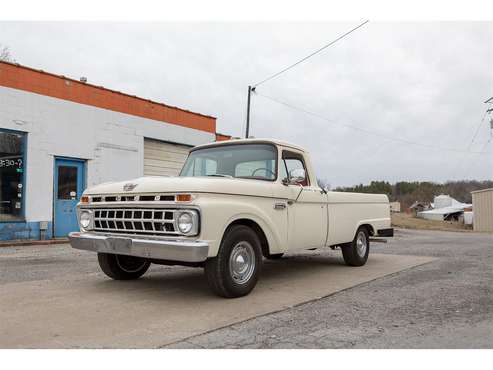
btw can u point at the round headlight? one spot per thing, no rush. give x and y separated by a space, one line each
185 222
85 219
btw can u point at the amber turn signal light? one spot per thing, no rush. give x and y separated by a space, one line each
84 199
184 197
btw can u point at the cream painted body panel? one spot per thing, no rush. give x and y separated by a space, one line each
306 217
160 184
348 211
307 211
310 217
218 212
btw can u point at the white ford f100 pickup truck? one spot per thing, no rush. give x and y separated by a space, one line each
233 203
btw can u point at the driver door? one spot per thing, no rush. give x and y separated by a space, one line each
307 205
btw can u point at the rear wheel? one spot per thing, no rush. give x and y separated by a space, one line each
356 252
234 271
121 267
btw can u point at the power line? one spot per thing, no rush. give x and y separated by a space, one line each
309 56
251 88
477 130
482 151
484 146
369 132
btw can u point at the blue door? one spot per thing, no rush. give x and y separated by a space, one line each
69 184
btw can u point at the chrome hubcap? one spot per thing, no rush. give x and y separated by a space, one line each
242 262
361 244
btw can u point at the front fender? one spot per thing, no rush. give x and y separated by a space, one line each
219 212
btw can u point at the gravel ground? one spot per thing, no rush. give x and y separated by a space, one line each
444 304
447 303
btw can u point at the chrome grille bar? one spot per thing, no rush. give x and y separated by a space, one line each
136 220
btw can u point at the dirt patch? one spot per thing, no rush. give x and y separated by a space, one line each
407 221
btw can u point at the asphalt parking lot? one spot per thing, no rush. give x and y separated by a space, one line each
446 302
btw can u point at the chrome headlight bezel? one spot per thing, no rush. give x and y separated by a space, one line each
192 216
86 214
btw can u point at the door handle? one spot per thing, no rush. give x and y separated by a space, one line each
280 206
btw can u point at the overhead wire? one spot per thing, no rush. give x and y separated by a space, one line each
482 151
357 128
310 55
477 130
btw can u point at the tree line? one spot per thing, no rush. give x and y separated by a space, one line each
409 192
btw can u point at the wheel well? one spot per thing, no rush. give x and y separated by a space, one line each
255 227
369 228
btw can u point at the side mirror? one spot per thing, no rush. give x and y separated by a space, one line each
296 177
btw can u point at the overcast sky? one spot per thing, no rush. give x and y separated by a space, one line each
419 82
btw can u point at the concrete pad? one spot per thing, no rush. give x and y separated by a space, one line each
168 305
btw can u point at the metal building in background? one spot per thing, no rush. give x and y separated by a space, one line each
482 205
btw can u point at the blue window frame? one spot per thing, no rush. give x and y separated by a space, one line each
12 175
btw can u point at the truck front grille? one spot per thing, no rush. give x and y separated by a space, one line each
136 221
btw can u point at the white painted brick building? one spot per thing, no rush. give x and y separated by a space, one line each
58 136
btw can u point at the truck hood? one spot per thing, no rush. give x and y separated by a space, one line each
158 184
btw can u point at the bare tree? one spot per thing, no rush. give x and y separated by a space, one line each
5 54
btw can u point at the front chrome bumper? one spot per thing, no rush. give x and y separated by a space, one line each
173 250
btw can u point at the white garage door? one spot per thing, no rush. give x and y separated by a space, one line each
163 159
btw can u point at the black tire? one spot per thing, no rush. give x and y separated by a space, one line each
219 271
353 253
120 267
276 256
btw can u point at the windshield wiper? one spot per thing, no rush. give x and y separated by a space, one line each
220 175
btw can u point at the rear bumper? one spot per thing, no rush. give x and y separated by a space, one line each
386 232
173 250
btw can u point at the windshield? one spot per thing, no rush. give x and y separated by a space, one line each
250 161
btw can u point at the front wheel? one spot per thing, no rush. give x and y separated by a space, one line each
356 252
120 267
234 271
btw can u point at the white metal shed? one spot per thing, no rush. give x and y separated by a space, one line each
482 206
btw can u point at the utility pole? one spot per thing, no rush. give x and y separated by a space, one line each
247 131
489 111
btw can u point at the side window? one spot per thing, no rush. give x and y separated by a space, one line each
294 162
